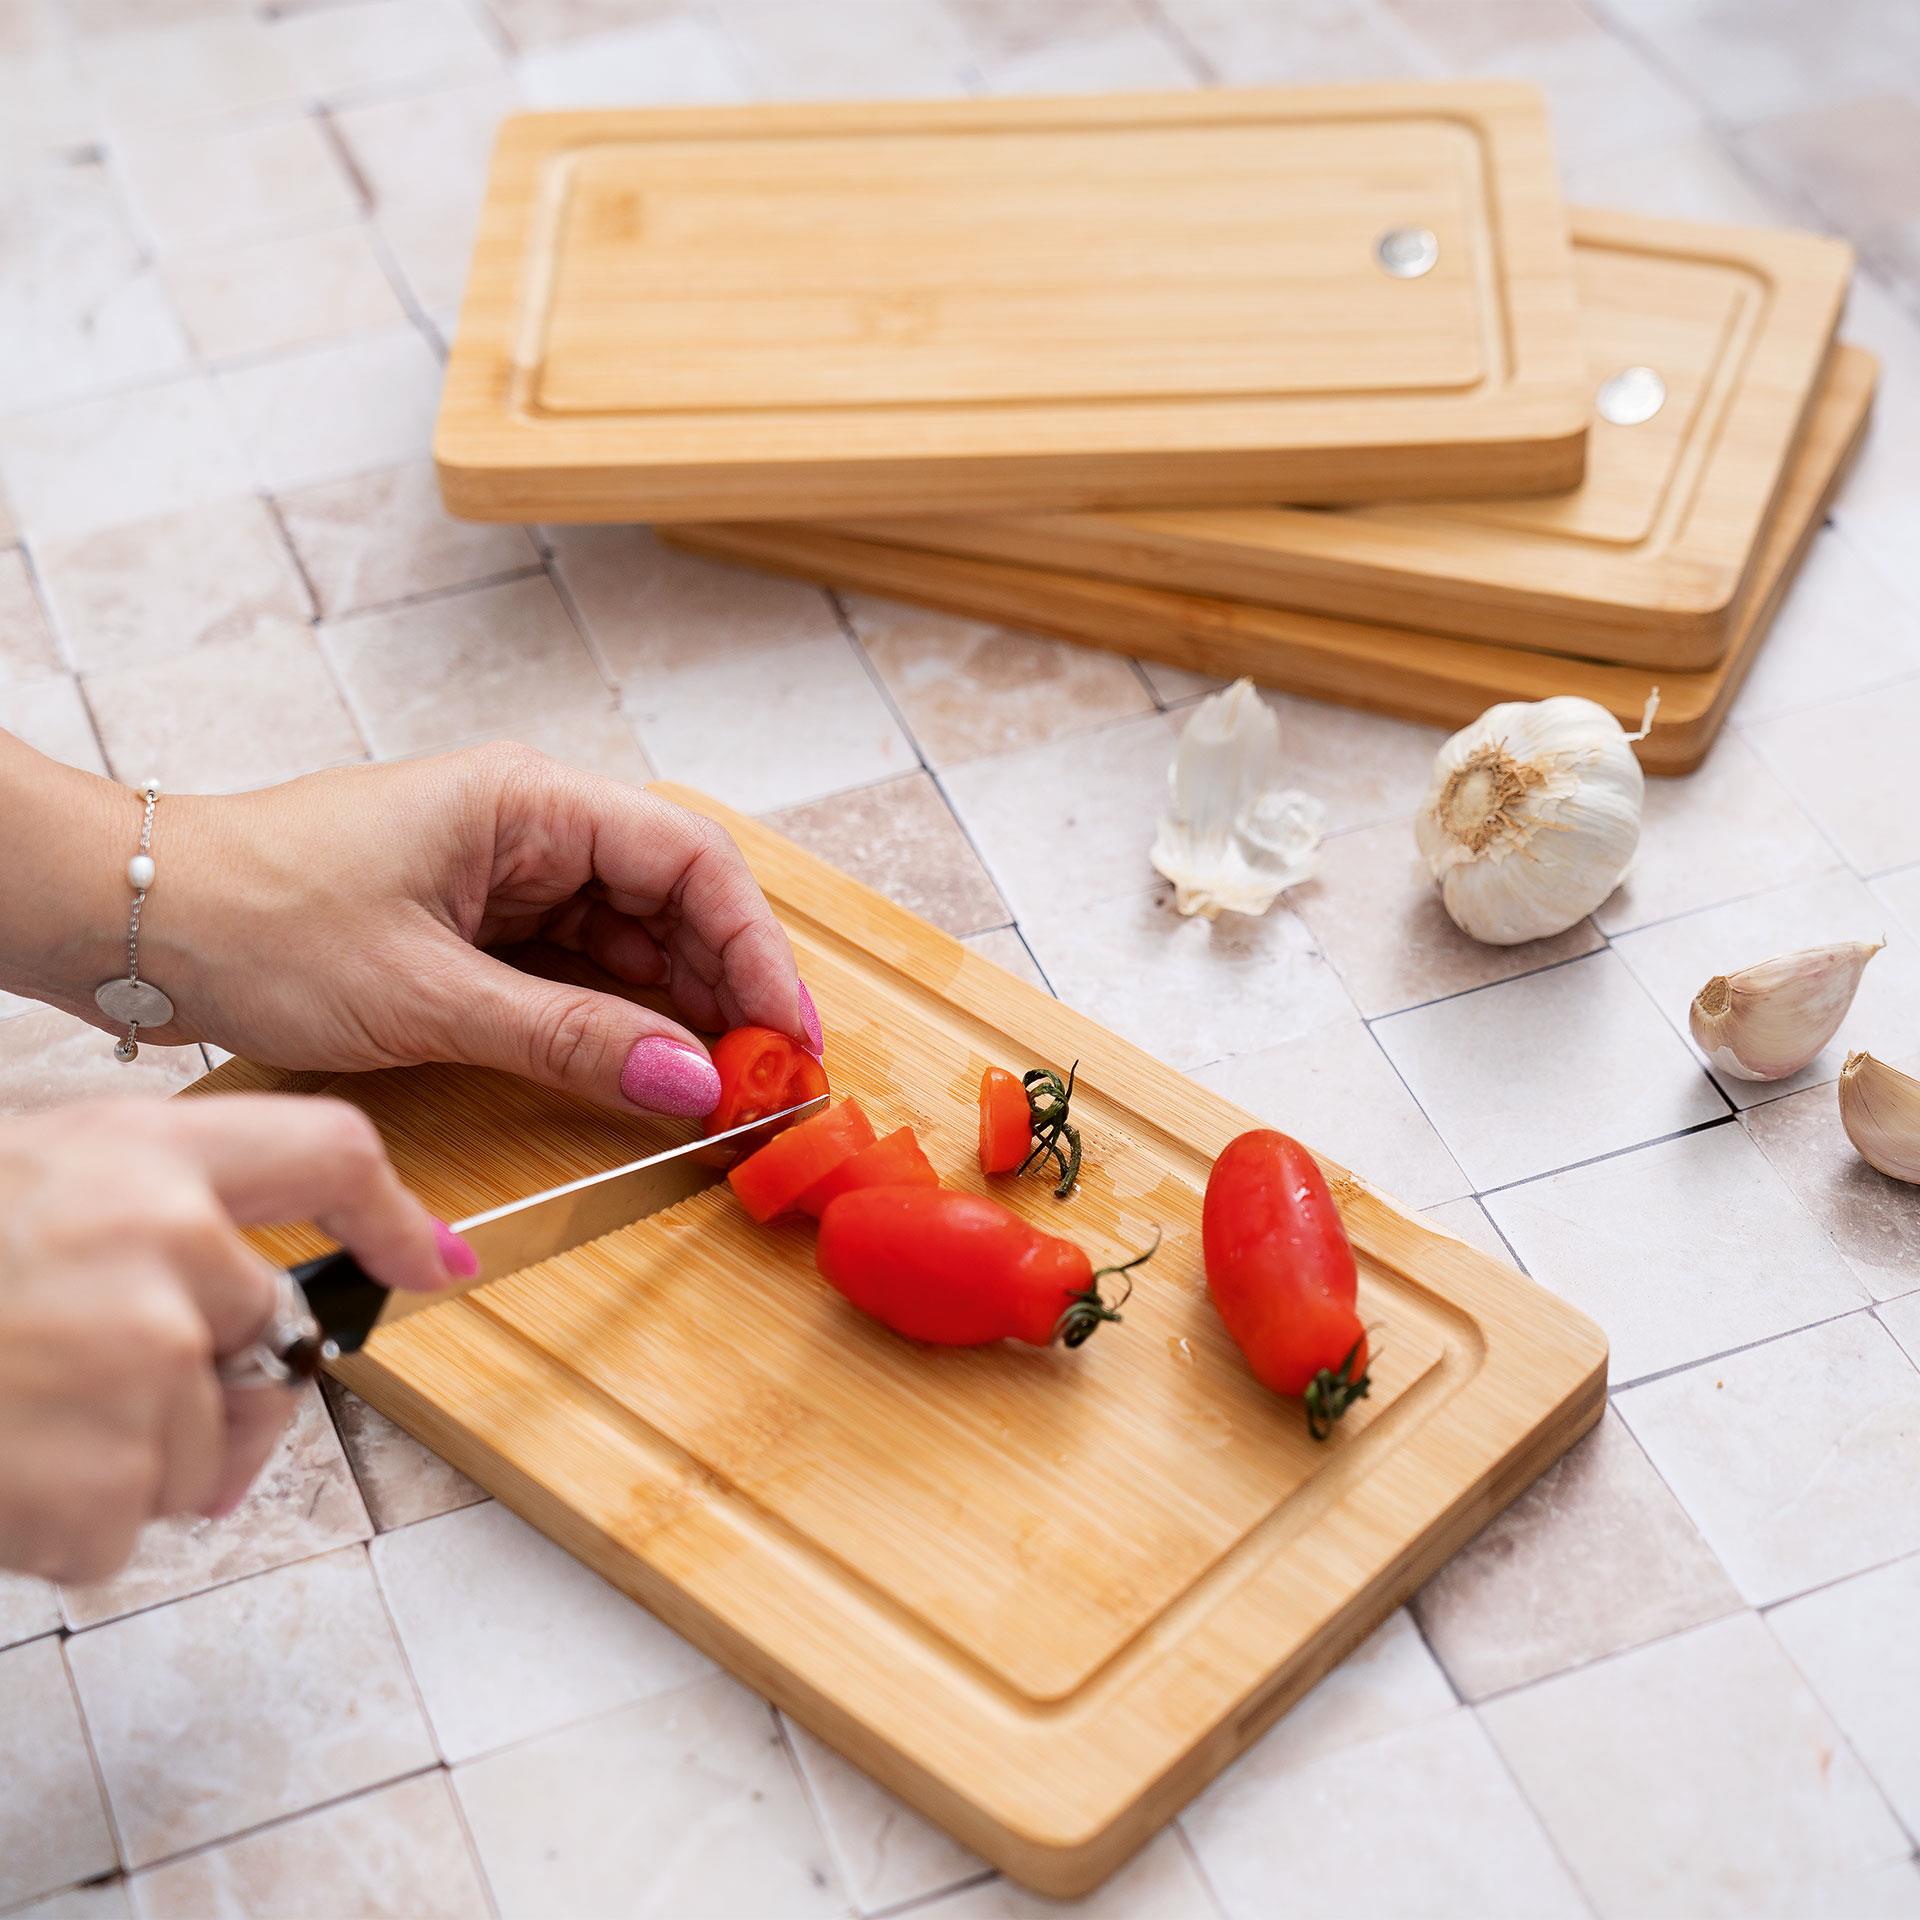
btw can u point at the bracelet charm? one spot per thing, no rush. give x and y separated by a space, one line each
135 1002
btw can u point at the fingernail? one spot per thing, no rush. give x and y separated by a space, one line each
456 1256
668 1076
810 1024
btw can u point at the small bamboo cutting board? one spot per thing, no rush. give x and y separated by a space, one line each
1412 676
1330 293
1044 1595
1722 330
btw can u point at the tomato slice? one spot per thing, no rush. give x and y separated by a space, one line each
1006 1121
761 1072
894 1160
771 1181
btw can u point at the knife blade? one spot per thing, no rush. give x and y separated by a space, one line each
330 1305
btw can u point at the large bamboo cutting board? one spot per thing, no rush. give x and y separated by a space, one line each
1642 564
1412 676
1044 1595
806 311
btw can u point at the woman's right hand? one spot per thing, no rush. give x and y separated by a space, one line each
123 1283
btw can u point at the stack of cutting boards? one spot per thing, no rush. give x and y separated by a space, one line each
1324 386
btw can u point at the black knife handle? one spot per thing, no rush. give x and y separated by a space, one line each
342 1297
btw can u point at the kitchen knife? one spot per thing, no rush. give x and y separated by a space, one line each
328 1306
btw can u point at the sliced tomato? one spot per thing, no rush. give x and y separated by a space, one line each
1006 1121
894 1160
770 1182
761 1072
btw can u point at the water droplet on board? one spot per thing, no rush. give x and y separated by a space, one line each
1211 1429
1178 1347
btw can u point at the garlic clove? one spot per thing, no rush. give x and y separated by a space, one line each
1880 1109
1770 1020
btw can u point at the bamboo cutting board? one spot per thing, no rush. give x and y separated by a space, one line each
1411 676
807 311
1044 1595
1642 564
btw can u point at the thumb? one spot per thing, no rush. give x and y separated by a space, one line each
563 1035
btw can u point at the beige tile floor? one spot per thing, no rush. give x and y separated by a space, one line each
1679 1677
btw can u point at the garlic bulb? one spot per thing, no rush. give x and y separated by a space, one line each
1880 1109
1234 838
1533 816
1769 1020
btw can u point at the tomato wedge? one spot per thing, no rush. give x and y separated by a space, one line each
894 1160
761 1072
771 1181
1006 1121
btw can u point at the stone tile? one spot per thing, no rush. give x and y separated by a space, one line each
1296 45
886 1853
201 185
130 595
1159 1881
216 720
1747 1794
537 23
1595 1557
1679 1250
1789 1502
100 463
465 664
384 536
1547 1070
28 1608
246 1704
400 1480
690 1797
1901 892
1060 831
858 49
1422 1821
1377 915
52 718
1188 990
1336 1088
400 1851
339 51
1855 1644
679 59
509 1637
1834 760
1365 769
1175 686
266 296
188 70
47 111
1875 508
1689 178
1872 1220
81 308
27 651
599 740
899 838
999 30
968 689
116 16
1674 960
1004 947
304 1503
48 1058
1729 830
53 1829
1857 160
1134 58
1467 1220
335 410
99 1900
1456 35
1902 1319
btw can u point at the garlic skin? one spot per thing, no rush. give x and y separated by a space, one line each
1533 816
1234 838
1880 1109
1770 1020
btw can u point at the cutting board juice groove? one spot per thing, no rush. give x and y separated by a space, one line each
1043 1595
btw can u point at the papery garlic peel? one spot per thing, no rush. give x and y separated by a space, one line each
1532 818
1235 837
1880 1109
1771 1019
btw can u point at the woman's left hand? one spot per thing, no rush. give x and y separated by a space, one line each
387 915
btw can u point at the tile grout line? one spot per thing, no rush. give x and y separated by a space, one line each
114 1835
1864 1310
1484 1194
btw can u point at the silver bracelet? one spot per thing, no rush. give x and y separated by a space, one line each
138 1002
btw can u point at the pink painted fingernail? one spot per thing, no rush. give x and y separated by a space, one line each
668 1076
456 1256
810 1024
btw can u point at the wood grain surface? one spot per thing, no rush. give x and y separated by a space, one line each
1413 676
778 312
1044 1595
1642 564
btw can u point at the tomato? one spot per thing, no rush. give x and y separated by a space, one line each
1282 1275
959 1270
771 1181
1024 1123
894 1160
761 1072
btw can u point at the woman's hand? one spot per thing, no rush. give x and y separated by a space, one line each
123 1282
351 920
